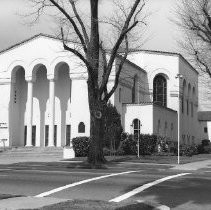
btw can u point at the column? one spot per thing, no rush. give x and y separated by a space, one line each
30 114
52 112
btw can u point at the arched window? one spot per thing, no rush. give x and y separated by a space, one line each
81 127
136 126
160 90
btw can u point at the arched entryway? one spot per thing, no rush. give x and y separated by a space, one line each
18 99
62 103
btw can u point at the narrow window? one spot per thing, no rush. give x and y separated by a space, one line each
25 134
68 135
55 135
33 135
187 107
81 127
193 140
205 129
46 134
191 109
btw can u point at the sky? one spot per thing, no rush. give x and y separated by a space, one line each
161 32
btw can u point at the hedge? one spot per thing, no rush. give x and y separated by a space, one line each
81 146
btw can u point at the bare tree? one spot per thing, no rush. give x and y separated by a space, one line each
194 17
91 50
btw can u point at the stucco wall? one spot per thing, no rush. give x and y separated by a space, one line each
149 115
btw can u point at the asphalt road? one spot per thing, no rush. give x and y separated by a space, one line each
189 191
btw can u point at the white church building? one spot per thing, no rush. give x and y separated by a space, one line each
44 100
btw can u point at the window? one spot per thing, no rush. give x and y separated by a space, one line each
33 135
158 128
172 129
193 140
134 89
55 135
81 127
160 90
46 135
25 134
187 107
205 129
165 129
191 109
136 126
188 139
68 128
183 139
183 95
183 104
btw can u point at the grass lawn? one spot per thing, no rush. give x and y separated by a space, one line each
160 159
90 205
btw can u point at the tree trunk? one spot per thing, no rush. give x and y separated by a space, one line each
97 130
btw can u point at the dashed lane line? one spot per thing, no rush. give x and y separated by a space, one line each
81 182
144 187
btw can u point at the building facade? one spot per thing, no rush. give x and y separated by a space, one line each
44 100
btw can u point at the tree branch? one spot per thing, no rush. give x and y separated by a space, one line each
86 37
122 61
77 31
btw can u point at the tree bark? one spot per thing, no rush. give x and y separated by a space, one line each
97 129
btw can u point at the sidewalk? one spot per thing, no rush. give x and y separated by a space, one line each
28 202
194 166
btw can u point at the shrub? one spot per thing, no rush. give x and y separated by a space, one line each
147 144
129 145
207 149
205 142
81 146
188 150
204 147
113 127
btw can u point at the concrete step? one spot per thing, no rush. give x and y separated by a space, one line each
32 150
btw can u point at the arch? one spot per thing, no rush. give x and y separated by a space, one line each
58 67
136 126
37 68
157 71
160 90
81 127
34 66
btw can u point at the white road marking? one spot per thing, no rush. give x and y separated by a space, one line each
144 187
81 182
